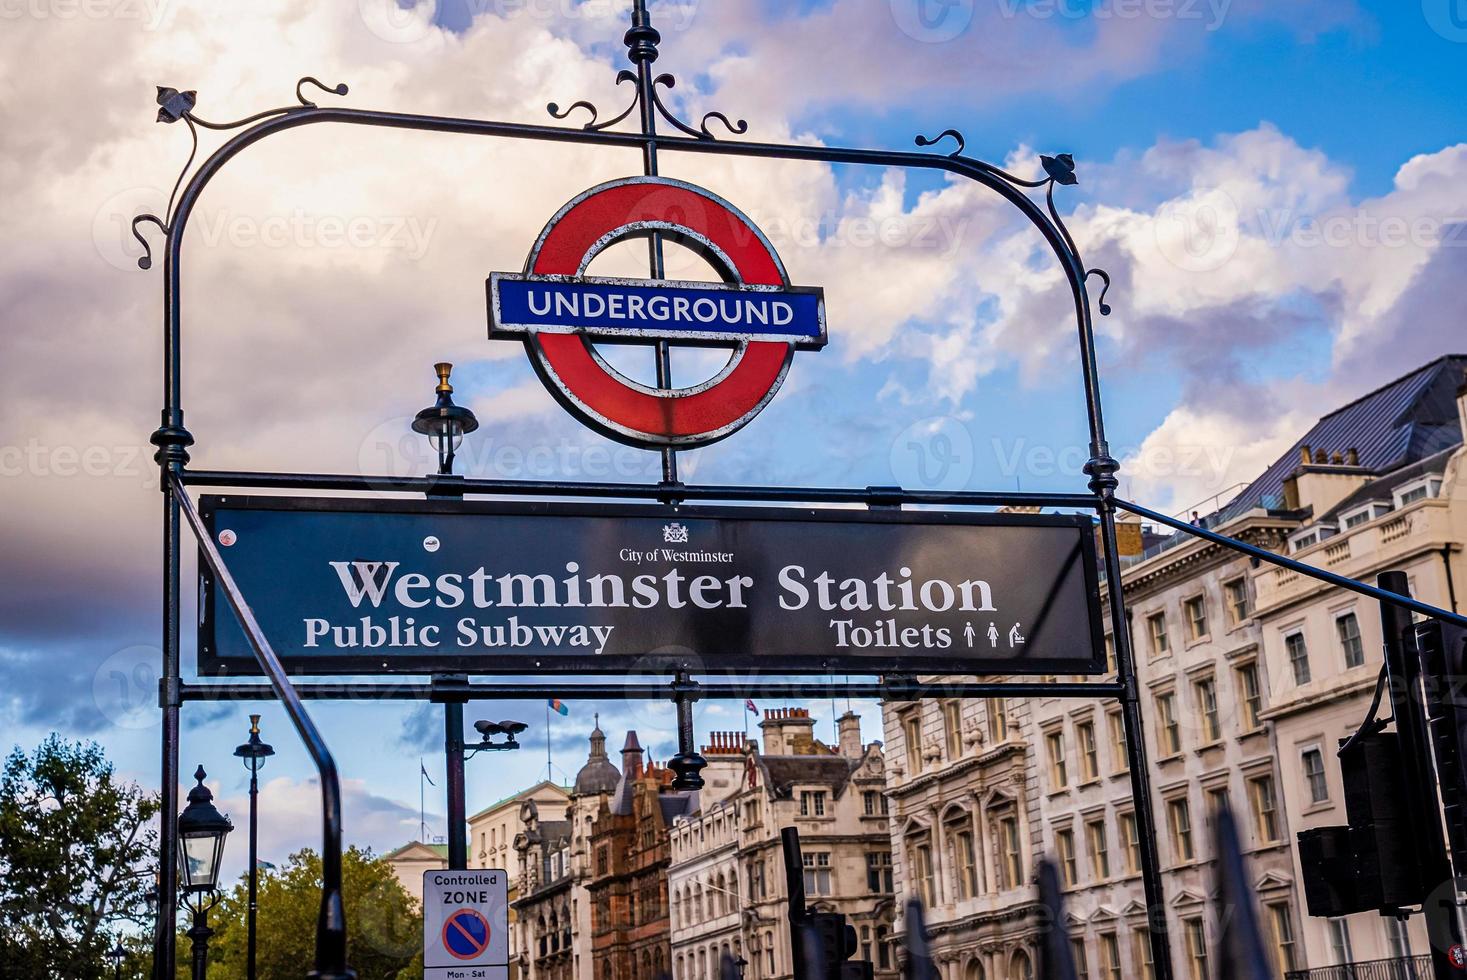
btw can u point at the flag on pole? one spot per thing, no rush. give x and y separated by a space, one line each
424 771
750 706
559 706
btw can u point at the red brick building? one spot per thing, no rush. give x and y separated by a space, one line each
629 856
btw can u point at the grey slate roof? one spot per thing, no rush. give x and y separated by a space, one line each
784 771
1396 425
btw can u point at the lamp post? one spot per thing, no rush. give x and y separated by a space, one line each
151 898
202 830
116 954
457 753
444 423
253 753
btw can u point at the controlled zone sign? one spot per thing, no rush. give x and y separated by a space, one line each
465 925
355 586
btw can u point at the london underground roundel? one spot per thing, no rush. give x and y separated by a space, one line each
559 313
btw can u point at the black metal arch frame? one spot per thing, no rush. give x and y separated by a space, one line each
173 440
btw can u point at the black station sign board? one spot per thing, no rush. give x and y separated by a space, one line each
399 586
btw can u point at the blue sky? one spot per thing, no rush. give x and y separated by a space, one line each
1212 142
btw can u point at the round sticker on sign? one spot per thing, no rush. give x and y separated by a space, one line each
465 934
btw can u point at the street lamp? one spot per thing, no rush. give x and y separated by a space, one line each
253 753
444 423
116 955
201 833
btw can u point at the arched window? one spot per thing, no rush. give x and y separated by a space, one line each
1021 967
722 894
697 903
974 971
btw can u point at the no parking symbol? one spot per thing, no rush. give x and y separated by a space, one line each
465 925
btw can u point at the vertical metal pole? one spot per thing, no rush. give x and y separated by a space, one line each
797 913
641 41
199 941
254 868
1403 669
168 697
453 746
1102 469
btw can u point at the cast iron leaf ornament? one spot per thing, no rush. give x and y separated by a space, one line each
174 104
1061 169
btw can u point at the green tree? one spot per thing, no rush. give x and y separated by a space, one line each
384 922
76 858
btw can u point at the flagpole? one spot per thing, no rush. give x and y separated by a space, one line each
549 774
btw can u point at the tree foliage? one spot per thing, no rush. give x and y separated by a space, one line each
77 850
384 923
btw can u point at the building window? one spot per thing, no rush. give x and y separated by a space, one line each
1110 956
1179 823
1169 730
1059 776
1218 799
1425 487
1206 692
1130 842
1156 628
1099 847
1110 653
1314 775
1197 966
952 728
1281 923
1082 962
878 872
1250 695
1265 808
966 855
1195 610
817 872
1339 941
1398 937
1298 654
883 948
922 870
998 721
1239 608
812 803
1011 867
912 727
1089 754
1064 844
1347 627
874 802
1141 946
1119 761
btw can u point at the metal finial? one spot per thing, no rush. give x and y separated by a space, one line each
642 38
254 724
444 369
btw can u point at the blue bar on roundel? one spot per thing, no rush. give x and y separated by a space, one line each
642 308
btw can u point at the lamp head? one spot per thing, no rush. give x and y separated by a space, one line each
444 423
254 752
202 830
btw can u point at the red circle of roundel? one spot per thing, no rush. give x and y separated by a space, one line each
592 389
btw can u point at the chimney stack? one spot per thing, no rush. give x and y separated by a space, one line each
849 726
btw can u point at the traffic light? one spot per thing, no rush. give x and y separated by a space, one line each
1372 864
1443 651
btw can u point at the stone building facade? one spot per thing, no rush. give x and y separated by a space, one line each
1322 647
551 907
627 886
1249 678
727 875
